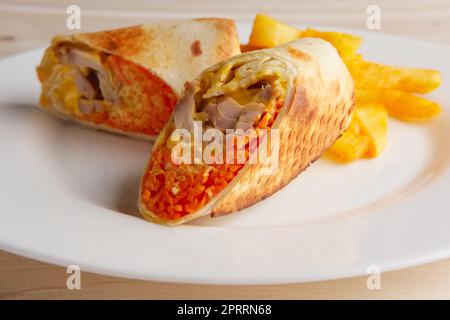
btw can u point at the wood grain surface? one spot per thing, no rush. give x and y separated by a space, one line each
22 278
26 24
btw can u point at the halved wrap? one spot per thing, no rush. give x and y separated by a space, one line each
128 80
301 90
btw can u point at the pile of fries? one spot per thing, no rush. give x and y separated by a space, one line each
380 90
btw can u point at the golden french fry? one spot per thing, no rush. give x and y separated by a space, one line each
365 136
379 89
399 104
367 95
375 75
372 120
346 44
354 126
351 145
268 32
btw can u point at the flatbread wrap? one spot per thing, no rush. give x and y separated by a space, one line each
128 80
302 90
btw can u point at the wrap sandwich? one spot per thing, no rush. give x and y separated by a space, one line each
302 90
128 80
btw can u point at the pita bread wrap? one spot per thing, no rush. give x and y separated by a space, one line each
302 91
128 80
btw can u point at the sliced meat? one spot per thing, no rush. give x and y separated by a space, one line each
229 108
182 114
228 114
219 120
244 125
252 112
109 92
265 93
87 86
79 58
211 110
89 106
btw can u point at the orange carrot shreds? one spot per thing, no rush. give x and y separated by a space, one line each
96 117
176 191
263 123
146 194
147 101
180 189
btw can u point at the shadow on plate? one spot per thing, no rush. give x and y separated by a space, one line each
101 168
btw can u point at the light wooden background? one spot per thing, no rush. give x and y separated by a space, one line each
26 24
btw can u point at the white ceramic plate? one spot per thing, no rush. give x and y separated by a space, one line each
67 196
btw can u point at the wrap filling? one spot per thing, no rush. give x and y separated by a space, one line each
104 89
238 96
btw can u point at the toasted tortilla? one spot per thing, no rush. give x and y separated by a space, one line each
176 52
316 109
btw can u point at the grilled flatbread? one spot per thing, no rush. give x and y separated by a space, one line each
128 80
302 91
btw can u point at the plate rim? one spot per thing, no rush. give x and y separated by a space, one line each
432 257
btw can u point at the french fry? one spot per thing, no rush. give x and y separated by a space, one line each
346 44
350 146
268 32
354 126
380 89
365 136
399 104
372 120
375 75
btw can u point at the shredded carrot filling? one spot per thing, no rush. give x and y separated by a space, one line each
149 100
172 191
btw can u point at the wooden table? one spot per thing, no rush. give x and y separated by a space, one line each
26 24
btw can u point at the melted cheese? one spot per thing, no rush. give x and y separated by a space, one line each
234 79
58 81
